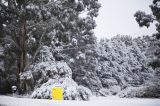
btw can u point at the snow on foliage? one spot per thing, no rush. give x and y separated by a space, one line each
145 91
44 71
80 56
74 41
71 90
48 73
45 23
26 75
61 74
46 54
122 64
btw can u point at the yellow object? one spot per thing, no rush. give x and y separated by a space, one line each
57 93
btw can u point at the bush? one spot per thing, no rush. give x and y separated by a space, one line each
71 90
141 92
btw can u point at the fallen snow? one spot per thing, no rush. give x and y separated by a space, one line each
95 101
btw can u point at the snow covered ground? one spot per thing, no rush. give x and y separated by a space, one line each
95 101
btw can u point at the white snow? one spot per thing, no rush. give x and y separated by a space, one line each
31 6
158 4
71 60
81 56
14 87
4 2
95 101
74 41
26 75
4 25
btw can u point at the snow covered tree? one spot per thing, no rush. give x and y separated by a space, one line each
82 57
18 19
28 25
122 64
144 19
148 45
80 37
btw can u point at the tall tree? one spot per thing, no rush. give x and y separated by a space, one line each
24 26
144 19
81 52
28 25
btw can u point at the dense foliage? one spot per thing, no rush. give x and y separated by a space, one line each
144 19
52 42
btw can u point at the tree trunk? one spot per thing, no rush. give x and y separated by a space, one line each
22 42
21 61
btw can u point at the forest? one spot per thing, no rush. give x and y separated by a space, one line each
48 42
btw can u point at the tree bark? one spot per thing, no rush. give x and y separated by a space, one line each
22 42
22 56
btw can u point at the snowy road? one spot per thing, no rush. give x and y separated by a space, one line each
95 101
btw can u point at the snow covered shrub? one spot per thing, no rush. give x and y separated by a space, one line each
113 90
141 92
48 73
103 92
131 92
71 90
44 71
84 92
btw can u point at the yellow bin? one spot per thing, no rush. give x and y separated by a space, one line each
57 93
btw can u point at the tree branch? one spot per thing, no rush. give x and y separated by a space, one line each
38 49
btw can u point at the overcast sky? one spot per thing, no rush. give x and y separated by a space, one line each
116 17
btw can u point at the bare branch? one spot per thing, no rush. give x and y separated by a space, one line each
40 44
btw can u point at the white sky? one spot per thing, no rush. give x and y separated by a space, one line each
116 17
